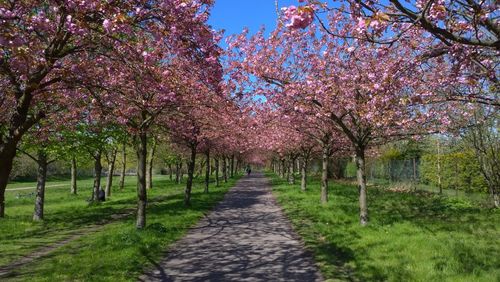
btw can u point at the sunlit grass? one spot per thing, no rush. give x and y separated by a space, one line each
410 237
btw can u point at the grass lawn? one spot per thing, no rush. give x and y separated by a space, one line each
118 252
410 237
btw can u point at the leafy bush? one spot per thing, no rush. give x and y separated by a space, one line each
459 170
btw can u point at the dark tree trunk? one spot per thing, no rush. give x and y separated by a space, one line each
207 171
224 169
40 185
324 175
20 122
111 171
216 172
97 176
7 154
232 166
181 172
189 182
141 180
283 168
303 174
361 176
124 166
149 172
73 176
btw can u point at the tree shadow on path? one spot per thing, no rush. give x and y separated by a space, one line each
245 238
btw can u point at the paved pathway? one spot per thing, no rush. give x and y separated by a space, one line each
246 238
34 187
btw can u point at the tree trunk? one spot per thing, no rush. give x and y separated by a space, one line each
149 172
7 154
496 199
361 176
283 168
181 172
124 167
439 167
415 173
170 171
177 173
141 180
238 163
232 166
207 171
73 176
97 176
291 177
224 169
324 175
288 171
189 182
111 171
40 185
216 172
303 173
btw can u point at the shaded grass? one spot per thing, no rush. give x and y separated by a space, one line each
410 237
112 253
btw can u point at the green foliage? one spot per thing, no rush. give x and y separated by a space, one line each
401 150
410 237
459 170
350 170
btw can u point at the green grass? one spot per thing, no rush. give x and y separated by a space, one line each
118 252
410 237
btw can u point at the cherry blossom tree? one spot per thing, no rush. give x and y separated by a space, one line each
370 93
464 33
52 51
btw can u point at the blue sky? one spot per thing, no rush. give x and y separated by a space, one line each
234 15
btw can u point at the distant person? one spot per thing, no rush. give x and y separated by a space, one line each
249 170
102 195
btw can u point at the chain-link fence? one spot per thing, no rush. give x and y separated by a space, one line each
409 175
